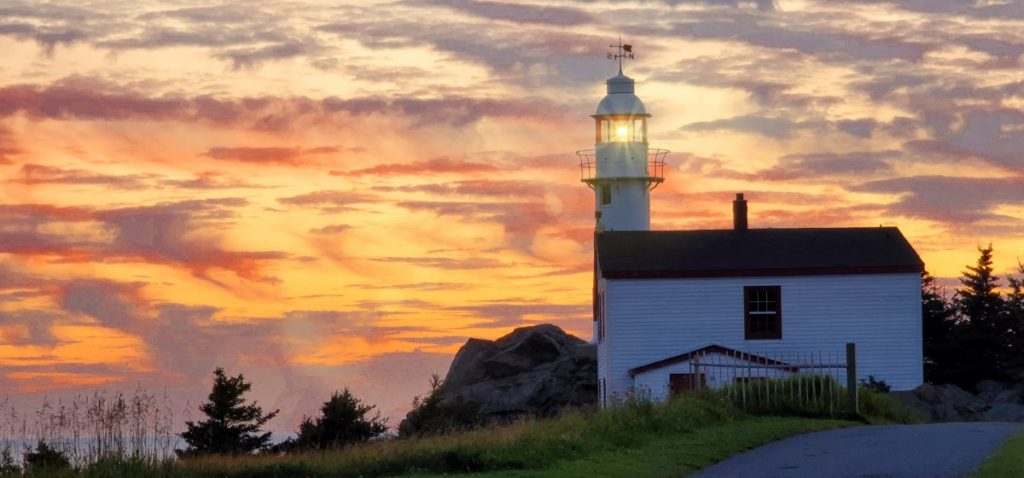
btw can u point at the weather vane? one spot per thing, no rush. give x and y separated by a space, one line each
624 51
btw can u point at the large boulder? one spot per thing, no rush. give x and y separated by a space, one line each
994 402
533 371
1005 412
948 402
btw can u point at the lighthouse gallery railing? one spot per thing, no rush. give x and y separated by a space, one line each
655 173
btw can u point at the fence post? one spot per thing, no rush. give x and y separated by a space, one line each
851 378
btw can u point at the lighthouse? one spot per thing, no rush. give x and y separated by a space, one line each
622 169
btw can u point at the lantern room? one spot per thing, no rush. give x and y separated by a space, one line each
621 129
621 117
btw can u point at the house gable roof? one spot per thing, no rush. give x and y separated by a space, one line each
755 252
710 349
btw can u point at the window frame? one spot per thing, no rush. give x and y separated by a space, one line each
748 333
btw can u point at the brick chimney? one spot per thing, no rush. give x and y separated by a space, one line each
739 213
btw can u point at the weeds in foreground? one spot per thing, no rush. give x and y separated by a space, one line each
816 396
90 429
527 445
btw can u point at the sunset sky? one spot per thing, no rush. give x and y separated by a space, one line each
330 194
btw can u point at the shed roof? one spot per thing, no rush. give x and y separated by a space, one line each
755 252
708 350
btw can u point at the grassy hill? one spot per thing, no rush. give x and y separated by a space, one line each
636 439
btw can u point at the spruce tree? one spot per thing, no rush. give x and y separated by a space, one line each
1015 299
343 420
232 426
938 324
1015 319
978 300
984 335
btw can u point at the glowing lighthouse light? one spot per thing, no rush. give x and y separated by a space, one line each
621 169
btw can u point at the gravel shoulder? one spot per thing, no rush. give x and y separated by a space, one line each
898 451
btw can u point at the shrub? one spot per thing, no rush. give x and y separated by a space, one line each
879 407
45 457
874 385
7 465
433 414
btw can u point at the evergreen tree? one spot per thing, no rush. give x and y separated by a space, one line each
938 326
978 301
1015 299
343 420
232 426
1015 319
983 338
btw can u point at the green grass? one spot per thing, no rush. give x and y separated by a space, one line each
638 438
1007 461
879 408
673 454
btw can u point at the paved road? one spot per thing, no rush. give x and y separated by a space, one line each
896 451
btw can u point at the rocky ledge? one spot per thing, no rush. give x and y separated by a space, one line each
533 371
994 402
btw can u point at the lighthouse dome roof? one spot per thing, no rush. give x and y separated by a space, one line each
620 99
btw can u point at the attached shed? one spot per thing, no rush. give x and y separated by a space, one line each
712 366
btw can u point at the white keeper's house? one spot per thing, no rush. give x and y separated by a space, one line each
662 297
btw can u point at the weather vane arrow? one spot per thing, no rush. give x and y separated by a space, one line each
622 51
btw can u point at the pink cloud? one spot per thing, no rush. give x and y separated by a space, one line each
443 165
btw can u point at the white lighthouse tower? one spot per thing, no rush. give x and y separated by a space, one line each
621 169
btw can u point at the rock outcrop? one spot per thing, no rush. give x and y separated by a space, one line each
533 371
993 402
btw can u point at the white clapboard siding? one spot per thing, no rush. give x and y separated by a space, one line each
652 319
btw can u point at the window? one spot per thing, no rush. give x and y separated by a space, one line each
762 308
639 135
606 194
621 129
599 314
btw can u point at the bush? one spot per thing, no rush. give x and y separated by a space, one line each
7 465
880 407
874 385
45 457
433 415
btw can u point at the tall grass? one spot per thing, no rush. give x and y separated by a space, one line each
93 428
130 436
818 396
801 395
